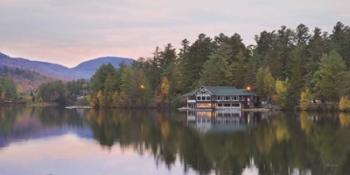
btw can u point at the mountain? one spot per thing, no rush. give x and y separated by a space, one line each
88 68
48 69
29 74
24 79
84 70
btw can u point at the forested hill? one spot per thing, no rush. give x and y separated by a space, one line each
83 71
48 69
28 75
25 80
88 68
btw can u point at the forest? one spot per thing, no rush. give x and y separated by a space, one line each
299 68
8 91
291 68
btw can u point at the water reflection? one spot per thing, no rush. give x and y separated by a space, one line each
223 120
218 142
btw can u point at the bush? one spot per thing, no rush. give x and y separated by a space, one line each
344 104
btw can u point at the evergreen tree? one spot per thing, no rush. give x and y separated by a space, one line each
216 71
198 54
325 77
8 90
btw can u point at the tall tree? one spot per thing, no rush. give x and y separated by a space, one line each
216 71
197 55
325 78
340 39
265 83
8 90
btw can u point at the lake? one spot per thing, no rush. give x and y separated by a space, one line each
57 141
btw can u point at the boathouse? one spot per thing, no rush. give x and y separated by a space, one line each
220 97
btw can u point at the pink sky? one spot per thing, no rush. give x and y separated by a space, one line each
68 32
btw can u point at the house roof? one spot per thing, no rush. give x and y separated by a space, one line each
221 90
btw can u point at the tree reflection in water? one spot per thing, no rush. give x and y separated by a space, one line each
220 143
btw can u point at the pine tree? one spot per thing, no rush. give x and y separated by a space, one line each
325 77
216 71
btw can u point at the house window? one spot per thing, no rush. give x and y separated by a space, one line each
234 97
227 105
220 105
208 98
203 98
235 105
226 98
198 98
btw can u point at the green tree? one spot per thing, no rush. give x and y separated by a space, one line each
326 76
340 41
198 53
8 90
216 71
305 99
281 89
104 78
265 83
343 83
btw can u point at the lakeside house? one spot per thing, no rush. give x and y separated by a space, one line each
220 97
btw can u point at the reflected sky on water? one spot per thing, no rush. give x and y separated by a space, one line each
60 141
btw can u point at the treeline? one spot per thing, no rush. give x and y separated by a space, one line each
8 92
287 67
61 93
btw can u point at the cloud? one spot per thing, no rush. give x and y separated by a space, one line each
68 31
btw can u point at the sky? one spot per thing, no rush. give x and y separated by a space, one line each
71 31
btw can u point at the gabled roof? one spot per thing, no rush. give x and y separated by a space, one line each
221 90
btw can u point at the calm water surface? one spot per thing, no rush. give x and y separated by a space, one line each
56 141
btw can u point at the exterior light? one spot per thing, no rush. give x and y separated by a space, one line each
142 86
248 88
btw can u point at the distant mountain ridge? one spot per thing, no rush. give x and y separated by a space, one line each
83 71
88 68
28 74
25 80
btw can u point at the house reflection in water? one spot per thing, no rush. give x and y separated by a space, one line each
222 120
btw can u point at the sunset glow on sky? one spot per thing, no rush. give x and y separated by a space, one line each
69 32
